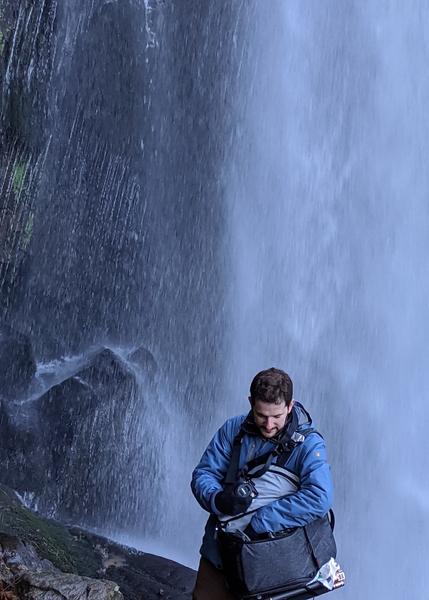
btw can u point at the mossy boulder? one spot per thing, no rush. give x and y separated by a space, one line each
35 552
52 541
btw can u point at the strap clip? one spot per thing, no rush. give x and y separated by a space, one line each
297 438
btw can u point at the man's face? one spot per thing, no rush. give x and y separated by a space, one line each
270 418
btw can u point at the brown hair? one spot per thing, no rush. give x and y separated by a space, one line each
273 386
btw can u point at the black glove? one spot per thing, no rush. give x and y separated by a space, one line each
228 503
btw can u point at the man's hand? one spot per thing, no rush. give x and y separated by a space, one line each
228 503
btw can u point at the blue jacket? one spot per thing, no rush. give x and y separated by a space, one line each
308 463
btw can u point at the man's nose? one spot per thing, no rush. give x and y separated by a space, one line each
270 422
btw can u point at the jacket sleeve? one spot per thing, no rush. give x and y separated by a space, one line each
208 475
312 500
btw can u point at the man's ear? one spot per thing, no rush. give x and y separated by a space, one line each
292 402
250 400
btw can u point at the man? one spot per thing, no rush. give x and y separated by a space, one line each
290 495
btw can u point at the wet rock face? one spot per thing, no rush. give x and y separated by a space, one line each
85 430
5 429
145 361
124 106
52 586
110 75
107 373
41 559
24 574
26 68
77 450
17 364
26 51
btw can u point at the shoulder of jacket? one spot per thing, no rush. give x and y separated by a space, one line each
233 424
311 438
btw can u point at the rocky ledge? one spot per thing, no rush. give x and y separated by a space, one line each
41 559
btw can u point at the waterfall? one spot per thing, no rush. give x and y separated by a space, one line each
114 115
233 186
329 222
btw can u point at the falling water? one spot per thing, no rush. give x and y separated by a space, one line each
329 230
114 115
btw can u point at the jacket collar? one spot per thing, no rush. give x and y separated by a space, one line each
298 419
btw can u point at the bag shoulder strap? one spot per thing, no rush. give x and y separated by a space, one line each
296 438
234 463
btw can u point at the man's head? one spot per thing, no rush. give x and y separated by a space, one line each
271 400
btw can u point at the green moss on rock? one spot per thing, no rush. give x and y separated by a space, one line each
18 178
51 540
